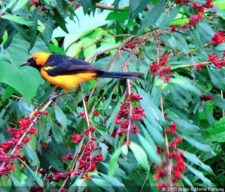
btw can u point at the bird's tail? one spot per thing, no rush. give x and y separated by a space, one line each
120 75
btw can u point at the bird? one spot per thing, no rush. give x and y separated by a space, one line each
68 73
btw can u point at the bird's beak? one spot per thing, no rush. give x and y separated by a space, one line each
25 64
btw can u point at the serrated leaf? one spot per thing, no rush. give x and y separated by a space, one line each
195 160
139 155
200 175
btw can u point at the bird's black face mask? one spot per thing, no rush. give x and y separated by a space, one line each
31 62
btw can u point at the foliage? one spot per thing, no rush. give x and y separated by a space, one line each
166 129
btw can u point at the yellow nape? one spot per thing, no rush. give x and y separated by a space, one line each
40 57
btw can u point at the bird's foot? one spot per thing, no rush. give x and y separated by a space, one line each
54 96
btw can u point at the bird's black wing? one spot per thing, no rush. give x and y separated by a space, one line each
64 65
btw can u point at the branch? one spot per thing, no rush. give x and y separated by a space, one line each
108 7
111 48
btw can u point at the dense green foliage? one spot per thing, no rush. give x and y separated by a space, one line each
182 99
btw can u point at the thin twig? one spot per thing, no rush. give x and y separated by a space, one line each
193 65
130 113
146 179
126 41
108 7
222 96
170 161
102 39
162 104
73 166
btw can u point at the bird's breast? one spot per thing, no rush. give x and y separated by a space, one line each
70 81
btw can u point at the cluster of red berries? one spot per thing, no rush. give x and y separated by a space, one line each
172 155
196 6
159 68
38 3
182 2
206 97
128 114
218 38
96 113
217 62
77 137
87 158
198 67
15 143
194 19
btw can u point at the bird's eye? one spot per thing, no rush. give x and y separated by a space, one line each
32 59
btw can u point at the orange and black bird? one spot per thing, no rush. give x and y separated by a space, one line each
67 72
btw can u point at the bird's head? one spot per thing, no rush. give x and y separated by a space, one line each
37 60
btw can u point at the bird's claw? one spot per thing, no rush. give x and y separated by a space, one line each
54 96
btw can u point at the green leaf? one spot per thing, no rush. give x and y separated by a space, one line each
35 176
181 43
200 175
57 132
220 102
217 77
150 150
60 116
185 83
17 19
19 4
166 18
103 184
86 4
198 144
118 16
24 80
152 16
151 110
216 133
32 155
136 6
140 155
220 47
195 160
80 184
115 182
154 132
113 163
